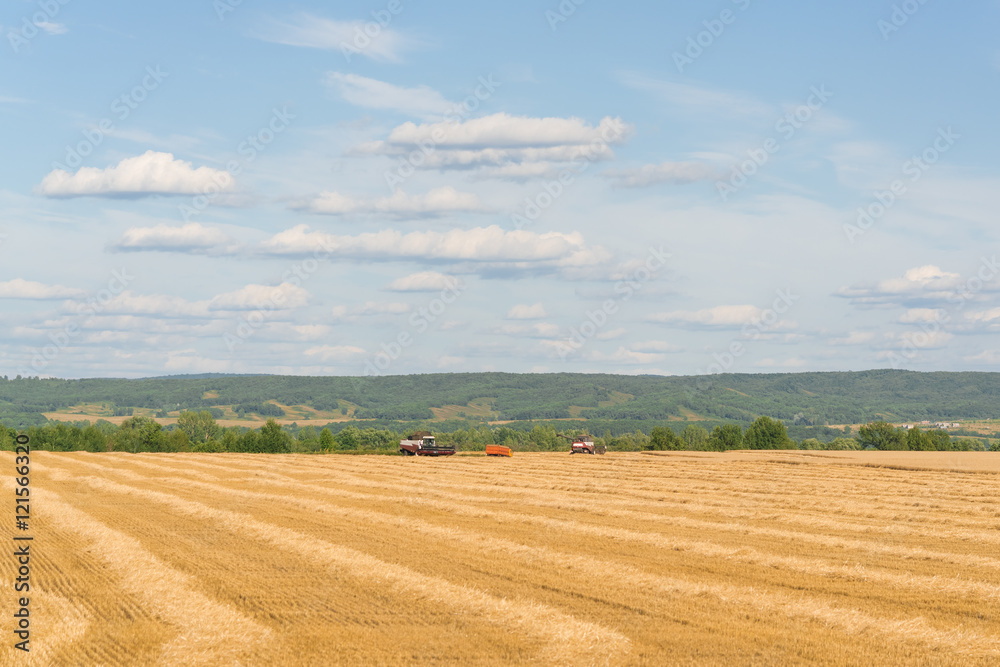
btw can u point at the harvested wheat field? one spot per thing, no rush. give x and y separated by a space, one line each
547 559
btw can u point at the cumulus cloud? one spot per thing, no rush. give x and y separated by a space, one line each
990 357
514 146
314 32
624 355
921 315
922 286
422 101
18 288
481 245
252 297
192 237
424 281
854 338
526 312
151 173
439 201
724 317
666 172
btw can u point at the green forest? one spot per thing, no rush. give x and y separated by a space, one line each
797 398
199 432
525 411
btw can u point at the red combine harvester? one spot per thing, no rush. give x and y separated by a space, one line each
422 443
584 444
498 450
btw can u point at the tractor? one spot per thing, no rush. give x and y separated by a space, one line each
584 444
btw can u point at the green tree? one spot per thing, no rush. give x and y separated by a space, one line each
177 441
326 440
198 426
694 437
941 440
881 435
139 434
273 439
918 441
725 437
349 438
843 444
767 433
662 438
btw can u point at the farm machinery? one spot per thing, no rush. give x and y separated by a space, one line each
498 450
422 443
584 444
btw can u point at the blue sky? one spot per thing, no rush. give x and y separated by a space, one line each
528 186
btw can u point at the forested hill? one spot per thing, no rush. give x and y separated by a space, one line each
797 398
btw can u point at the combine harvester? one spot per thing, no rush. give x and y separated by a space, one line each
498 450
422 443
584 444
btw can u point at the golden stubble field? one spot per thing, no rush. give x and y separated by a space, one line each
545 559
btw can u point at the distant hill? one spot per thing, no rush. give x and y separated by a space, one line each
797 398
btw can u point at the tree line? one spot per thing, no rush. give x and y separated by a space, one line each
197 431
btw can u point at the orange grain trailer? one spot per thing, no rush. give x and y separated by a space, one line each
498 450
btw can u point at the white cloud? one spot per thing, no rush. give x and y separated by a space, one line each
919 286
990 357
990 316
336 353
919 315
854 338
383 308
526 312
612 334
624 355
193 238
720 316
422 101
424 281
436 202
656 346
311 31
18 288
52 28
666 172
493 244
504 143
151 173
252 297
